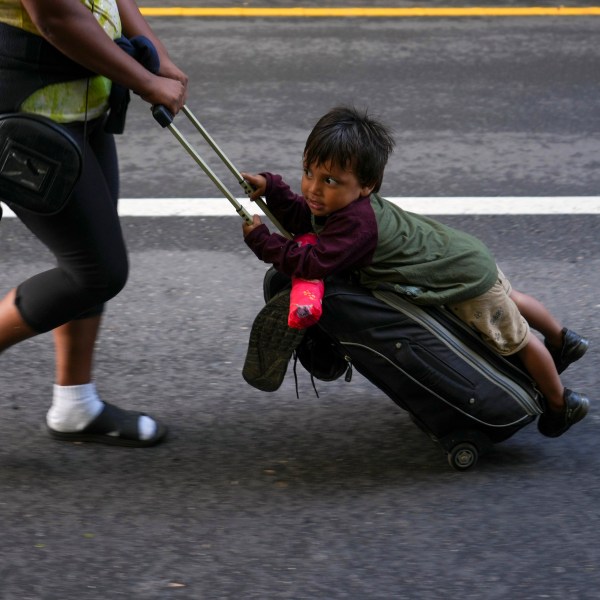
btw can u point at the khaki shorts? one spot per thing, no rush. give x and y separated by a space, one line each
496 317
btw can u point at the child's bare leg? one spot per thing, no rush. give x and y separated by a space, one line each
565 346
539 364
538 317
565 407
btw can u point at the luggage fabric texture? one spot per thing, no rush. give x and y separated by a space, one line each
454 387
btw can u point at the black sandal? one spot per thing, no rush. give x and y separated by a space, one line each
114 426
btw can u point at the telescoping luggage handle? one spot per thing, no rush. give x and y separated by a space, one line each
165 119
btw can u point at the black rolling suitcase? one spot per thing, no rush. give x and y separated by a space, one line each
456 389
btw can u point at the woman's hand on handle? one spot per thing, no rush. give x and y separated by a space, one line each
170 93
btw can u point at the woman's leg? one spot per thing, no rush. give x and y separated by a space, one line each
74 348
86 239
13 329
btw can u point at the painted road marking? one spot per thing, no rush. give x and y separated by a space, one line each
353 12
497 205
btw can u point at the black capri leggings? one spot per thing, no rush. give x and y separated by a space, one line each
86 239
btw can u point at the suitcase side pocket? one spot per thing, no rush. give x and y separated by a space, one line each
476 398
436 375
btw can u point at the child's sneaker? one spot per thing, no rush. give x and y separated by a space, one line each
573 348
554 424
271 345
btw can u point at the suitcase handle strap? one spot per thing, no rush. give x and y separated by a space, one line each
165 119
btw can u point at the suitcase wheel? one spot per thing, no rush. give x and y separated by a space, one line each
463 456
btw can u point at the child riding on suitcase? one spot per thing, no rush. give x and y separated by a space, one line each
388 248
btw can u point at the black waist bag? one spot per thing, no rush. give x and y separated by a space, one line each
40 163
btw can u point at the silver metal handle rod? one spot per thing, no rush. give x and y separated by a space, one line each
238 207
245 185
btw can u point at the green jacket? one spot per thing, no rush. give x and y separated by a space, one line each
425 260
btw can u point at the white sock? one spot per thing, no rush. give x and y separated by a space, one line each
76 406
73 407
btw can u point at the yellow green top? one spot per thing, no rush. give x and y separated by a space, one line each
66 102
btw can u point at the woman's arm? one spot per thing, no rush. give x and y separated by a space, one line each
70 26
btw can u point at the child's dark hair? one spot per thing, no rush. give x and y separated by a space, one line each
351 140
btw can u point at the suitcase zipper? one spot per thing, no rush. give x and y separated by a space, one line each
470 416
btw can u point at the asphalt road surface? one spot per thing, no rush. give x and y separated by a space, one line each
267 496
479 107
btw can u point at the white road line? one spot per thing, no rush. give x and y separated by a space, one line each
514 205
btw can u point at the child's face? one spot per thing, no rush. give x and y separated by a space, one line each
327 188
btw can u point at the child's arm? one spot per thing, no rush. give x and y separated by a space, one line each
344 243
287 207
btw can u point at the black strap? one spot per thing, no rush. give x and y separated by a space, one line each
112 418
